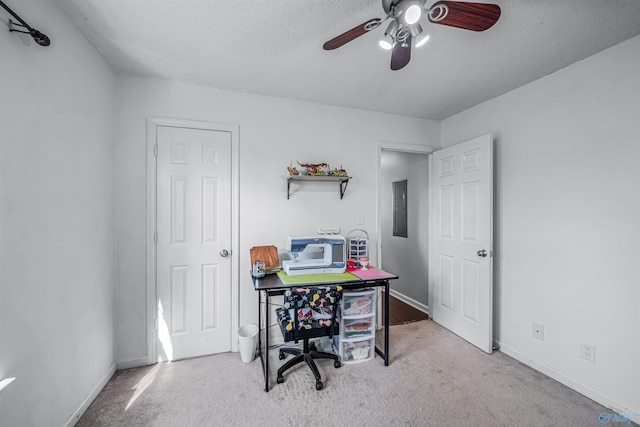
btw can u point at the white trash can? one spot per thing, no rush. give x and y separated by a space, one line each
247 340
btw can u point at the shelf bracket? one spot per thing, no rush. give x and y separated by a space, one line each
342 182
343 187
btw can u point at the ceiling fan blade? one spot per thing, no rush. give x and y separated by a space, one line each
353 33
401 54
466 15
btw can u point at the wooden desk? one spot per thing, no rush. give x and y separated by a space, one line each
271 285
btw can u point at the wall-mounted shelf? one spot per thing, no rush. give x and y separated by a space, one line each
341 180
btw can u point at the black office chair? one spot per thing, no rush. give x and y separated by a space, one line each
308 313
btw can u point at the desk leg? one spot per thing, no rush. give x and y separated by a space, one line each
260 327
384 353
260 331
386 323
263 322
266 342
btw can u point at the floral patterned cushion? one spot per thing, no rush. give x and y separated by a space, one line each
314 309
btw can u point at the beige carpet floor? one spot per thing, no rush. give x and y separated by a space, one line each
434 379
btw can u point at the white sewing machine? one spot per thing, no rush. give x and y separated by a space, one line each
316 254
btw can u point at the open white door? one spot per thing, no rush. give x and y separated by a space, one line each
461 262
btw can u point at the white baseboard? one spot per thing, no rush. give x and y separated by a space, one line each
133 363
592 394
413 303
73 419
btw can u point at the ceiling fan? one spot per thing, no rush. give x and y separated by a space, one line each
405 30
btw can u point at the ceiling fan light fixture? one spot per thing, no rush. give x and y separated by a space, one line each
422 40
415 30
386 43
389 39
412 14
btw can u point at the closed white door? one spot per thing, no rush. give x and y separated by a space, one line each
461 268
193 242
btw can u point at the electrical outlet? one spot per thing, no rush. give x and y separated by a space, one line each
588 351
538 331
360 218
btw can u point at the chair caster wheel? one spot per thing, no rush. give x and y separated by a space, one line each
280 380
281 356
337 364
319 385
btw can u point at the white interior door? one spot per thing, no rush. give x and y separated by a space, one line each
193 270
461 267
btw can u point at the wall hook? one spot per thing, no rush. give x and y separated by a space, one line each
22 27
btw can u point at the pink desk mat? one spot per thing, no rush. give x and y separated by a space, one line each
371 273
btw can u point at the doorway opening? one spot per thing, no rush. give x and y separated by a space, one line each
403 201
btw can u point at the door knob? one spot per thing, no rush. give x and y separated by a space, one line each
224 253
482 253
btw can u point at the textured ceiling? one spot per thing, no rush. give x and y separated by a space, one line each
274 47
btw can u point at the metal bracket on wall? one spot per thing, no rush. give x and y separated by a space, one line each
343 181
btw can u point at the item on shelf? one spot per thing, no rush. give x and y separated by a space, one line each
317 169
339 172
364 262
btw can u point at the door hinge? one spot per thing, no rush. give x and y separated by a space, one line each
155 237
155 150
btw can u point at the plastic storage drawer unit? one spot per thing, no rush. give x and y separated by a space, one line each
356 342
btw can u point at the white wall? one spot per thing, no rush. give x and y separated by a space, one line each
56 220
273 133
407 256
568 220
